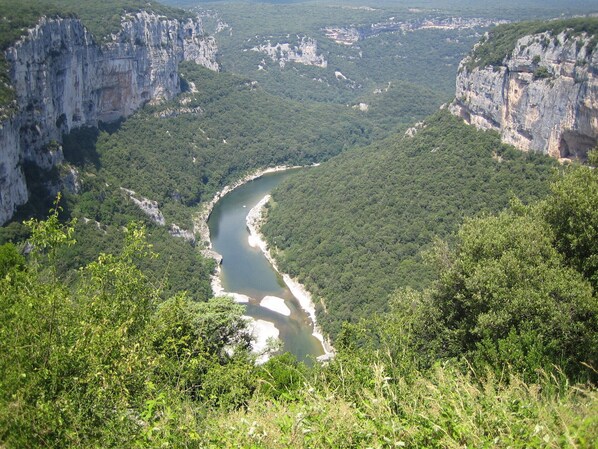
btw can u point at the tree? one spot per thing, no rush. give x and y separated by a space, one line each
191 338
572 211
509 298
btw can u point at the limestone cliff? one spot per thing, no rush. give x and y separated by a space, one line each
64 79
543 97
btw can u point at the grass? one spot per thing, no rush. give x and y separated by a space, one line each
443 408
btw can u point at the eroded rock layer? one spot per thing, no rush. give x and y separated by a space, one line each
543 97
64 79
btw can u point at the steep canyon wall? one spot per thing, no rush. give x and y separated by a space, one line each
64 79
543 97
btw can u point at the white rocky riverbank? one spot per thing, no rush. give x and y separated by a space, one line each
200 220
200 227
262 330
256 239
275 304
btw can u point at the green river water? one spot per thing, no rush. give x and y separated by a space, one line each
245 270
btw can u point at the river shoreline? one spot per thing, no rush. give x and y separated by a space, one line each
200 227
200 220
254 220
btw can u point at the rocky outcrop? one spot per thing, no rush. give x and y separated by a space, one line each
543 97
353 34
13 189
153 212
64 79
149 207
305 52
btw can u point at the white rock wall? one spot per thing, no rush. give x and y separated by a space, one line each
64 80
306 52
555 115
13 189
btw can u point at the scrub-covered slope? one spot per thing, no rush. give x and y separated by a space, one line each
352 229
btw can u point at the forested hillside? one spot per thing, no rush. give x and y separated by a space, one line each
100 360
456 276
354 229
426 56
180 153
348 76
512 316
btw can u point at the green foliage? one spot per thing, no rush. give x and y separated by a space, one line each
50 234
179 266
204 349
97 363
542 73
282 377
14 232
572 212
194 339
399 105
506 301
103 210
69 355
100 366
428 58
442 408
10 259
229 386
502 39
508 298
181 159
508 295
352 229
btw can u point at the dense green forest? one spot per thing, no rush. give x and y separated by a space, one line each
398 57
353 230
180 153
425 57
457 276
490 355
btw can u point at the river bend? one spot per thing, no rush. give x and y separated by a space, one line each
245 270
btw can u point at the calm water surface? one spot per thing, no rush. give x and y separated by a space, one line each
245 269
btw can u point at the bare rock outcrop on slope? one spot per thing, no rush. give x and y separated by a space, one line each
542 98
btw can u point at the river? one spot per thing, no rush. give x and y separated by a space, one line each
245 270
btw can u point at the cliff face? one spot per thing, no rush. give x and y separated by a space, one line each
64 80
543 98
